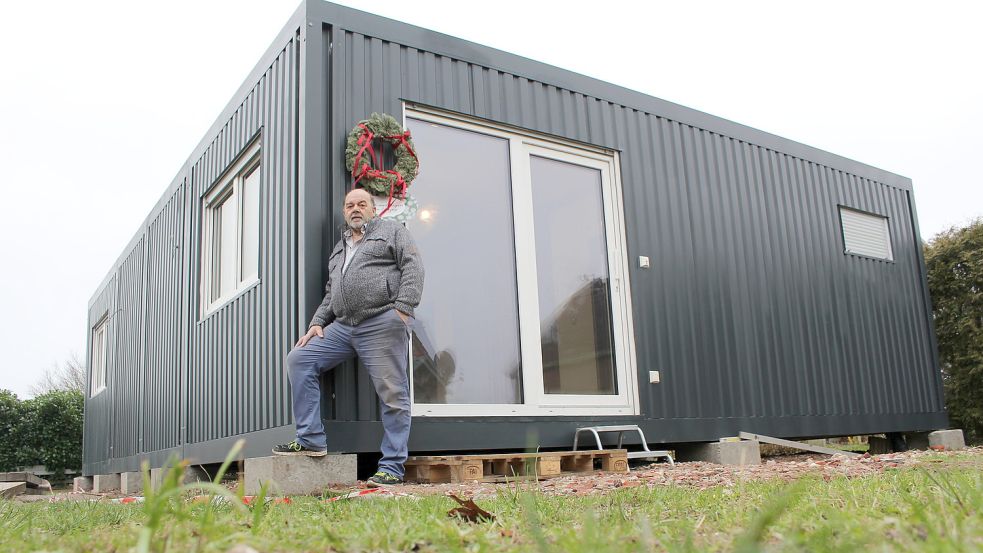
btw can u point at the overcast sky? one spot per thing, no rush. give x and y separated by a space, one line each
102 102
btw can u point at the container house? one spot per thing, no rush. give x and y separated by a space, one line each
594 255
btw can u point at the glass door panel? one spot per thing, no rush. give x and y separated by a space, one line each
466 336
573 279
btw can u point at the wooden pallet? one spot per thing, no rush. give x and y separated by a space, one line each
499 467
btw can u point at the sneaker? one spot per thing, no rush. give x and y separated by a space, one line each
295 448
382 479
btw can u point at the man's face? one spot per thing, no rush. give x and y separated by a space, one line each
359 209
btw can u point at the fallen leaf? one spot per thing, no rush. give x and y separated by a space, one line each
469 511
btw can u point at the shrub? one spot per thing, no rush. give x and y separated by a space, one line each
11 428
46 430
954 261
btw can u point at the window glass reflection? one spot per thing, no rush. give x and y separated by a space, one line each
466 336
571 264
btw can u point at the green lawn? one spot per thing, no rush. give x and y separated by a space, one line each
935 507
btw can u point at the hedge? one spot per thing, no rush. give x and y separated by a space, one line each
954 260
45 430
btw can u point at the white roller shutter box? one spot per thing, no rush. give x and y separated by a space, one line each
865 234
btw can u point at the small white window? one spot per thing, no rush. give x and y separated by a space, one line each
230 232
97 381
865 234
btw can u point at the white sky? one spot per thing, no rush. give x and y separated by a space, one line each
101 103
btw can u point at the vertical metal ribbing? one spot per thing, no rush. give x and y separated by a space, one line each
751 309
235 370
161 327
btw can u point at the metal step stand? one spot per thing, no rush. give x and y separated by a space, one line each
646 453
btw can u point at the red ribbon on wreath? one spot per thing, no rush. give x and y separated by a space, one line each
375 159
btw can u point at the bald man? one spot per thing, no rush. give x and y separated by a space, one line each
375 280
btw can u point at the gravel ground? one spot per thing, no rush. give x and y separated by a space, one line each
698 475
702 475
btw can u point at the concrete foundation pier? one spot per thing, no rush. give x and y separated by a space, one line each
191 474
131 483
946 440
82 484
104 483
299 475
736 453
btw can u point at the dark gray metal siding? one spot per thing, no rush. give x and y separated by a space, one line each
752 309
752 312
177 379
125 380
165 285
236 381
96 435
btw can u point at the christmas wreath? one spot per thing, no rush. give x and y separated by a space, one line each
364 160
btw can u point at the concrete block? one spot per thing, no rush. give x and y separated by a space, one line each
191 474
32 480
10 489
82 484
103 483
746 452
131 483
948 440
156 477
299 475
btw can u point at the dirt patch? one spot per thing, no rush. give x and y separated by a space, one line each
698 475
703 475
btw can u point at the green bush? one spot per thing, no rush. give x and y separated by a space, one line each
954 260
46 430
11 428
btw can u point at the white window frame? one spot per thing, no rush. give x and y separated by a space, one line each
98 361
535 402
227 189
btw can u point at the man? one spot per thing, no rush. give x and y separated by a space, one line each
375 279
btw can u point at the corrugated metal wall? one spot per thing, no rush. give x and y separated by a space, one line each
175 377
236 381
96 434
126 378
751 309
165 286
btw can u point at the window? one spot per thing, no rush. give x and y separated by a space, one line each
230 232
522 238
97 376
865 234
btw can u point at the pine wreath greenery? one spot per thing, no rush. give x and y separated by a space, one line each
364 160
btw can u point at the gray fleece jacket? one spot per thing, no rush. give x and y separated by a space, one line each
386 272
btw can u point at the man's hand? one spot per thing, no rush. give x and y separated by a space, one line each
403 316
311 332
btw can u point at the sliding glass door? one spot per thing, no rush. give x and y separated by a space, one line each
525 309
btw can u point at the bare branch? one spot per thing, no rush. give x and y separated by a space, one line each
69 376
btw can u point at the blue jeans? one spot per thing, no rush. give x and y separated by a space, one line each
382 343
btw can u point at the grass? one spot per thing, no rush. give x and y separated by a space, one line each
939 508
